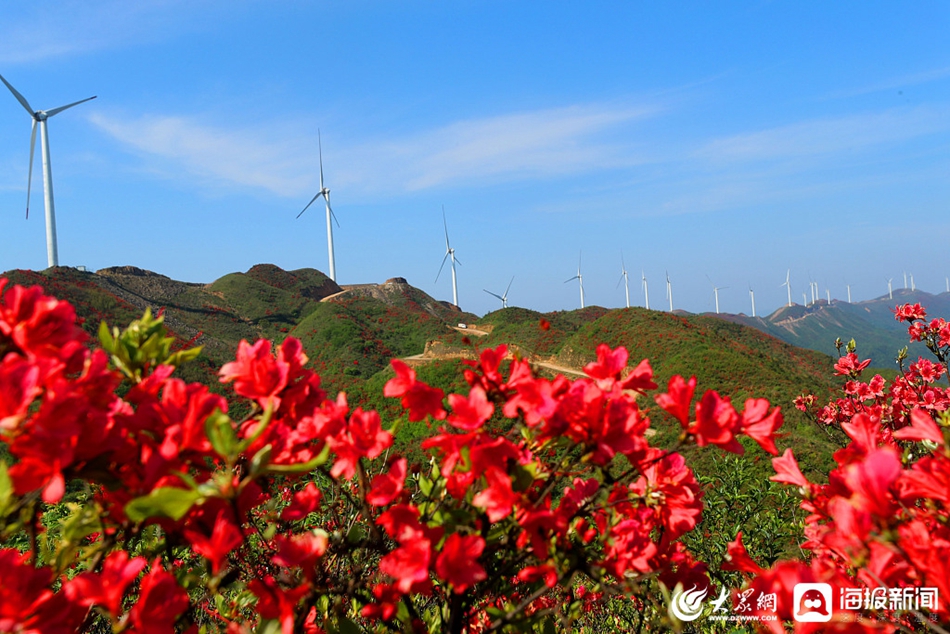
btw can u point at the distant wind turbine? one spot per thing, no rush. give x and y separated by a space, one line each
503 298
804 298
579 278
450 253
669 290
912 287
948 284
716 290
890 292
624 279
905 280
828 295
849 292
787 286
646 291
752 295
40 116
325 192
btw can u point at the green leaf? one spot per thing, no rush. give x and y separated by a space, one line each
220 431
6 489
168 502
346 626
260 460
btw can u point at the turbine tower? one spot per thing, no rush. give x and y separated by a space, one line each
905 280
787 286
503 298
716 290
579 278
449 252
828 295
624 279
752 296
646 291
669 290
325 192
41 116
912 287
890 293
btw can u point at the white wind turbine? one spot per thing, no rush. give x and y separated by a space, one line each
503 298
905 280
912 287
40 116
828 295
787 286
450 253
752 296
669 290
890 292
716 290
624 279
579 278
325 192
646 291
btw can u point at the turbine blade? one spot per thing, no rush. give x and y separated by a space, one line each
442 267
455 260
571 279
320 150
509 286
332 215
619 281
29 177
446 226
19 97
493 294
50 113
312 200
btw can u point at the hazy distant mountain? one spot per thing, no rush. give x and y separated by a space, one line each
870 323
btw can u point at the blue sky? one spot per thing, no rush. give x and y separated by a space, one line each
720 142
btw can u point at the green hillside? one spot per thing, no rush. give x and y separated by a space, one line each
351 333
737 361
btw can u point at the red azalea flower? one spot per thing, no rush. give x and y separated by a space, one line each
160 602
472 412
458 561
387 486
677 399
256 374
225 537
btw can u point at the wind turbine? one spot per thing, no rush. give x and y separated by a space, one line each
716 290
849 292
669 290
503 298
624 279
890 293
912 287
948 283
450 252
905 280
752 295
646 291
579 278
325 192
787 286
40 116
828 295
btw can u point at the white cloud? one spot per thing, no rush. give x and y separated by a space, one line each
277 157
214 155
35 32
829 136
